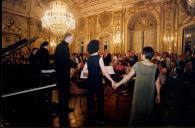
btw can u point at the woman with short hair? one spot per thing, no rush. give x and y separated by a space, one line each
94 68
144 89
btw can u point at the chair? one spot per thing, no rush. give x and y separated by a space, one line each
78 88
123 100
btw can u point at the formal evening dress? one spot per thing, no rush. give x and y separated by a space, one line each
143 96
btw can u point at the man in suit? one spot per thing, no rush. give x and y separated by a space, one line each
107 58
63 64
43 55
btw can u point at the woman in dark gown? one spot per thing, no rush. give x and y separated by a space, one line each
144 89
95 69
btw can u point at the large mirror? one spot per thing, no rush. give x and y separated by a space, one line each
189 38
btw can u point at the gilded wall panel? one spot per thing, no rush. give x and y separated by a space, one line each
105 19
92 26
14 28
82 34
150 38
169 18
137 41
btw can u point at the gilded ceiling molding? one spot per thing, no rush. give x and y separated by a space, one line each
105 19
81 24
185 16
186 21
142 18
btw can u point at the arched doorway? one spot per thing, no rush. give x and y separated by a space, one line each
188 42
142 31
105 41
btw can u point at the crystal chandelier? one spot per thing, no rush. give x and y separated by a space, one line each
58 19
189 6
191 3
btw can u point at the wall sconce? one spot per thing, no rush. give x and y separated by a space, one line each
189 35
53 44
168 39
117 39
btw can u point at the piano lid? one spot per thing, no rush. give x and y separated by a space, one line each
18 45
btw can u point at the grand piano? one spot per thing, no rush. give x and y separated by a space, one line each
25 91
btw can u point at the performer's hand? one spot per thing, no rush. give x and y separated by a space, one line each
123 75
157 99
113 82
114 85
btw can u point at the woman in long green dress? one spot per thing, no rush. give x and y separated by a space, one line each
144 89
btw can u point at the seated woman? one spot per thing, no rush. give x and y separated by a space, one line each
128 68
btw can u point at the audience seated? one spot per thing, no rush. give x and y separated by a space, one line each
171 66
119 70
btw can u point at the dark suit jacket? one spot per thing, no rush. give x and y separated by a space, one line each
63 62
107 59
43 58
33 59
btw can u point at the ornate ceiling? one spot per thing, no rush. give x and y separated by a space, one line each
90 7
80 8
34 8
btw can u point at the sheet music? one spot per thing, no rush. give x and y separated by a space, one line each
110 70
48 71
82 76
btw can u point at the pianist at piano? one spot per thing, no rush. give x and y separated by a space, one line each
43 56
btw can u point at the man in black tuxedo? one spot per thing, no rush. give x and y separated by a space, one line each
107 58
63 64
